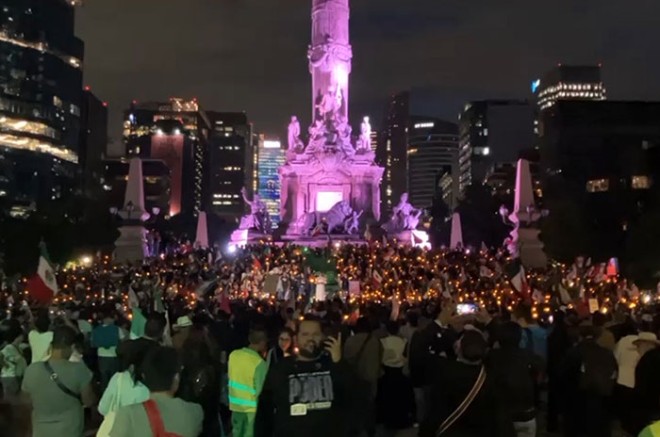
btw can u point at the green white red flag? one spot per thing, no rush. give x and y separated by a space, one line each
42 286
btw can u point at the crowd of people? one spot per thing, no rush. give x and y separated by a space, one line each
347 340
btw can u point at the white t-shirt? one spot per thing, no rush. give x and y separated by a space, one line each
393 349
40 345
14 362
627 356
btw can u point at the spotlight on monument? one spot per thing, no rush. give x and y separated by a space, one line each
340 75
231 249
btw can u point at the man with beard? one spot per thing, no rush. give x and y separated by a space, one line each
307 394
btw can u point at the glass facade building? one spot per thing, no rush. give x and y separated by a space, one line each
271 158
177 133
40 99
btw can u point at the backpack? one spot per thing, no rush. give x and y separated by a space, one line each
156 421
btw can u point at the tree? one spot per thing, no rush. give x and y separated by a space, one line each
480 218
80 224
439 213
567 231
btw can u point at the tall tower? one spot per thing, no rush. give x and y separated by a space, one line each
330 53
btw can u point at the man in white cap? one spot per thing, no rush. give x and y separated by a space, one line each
181 332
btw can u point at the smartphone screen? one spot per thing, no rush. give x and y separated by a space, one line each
466 308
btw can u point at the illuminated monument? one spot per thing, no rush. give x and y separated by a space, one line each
330 185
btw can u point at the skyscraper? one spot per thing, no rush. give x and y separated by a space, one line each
177 133
392 148
93 138
271 157
432 149
492 131
156 182
40 99
231 163
569 82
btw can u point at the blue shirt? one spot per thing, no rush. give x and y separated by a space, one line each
539 341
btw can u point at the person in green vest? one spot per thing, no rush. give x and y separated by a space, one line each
247 373
652 430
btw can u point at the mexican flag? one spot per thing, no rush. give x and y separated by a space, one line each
42 286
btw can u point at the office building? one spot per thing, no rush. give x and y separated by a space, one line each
271 157
432 149
392 149
232 163
156 177
176 132
445 185
608 154
93 139
501 180
40 101
492 131
569 82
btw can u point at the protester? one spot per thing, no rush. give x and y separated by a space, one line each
161 375
627 357
106 338
588 377
247 373
283 349
309 394
647 381
13 363
125 387
513 370
465 382
58 389
395 395
181 331
363 352
40 337
154 329
437 339
200 379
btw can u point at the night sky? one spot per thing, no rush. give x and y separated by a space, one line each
250 55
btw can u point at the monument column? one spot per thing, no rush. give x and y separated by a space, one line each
330 53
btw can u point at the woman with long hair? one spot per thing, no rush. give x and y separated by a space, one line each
200 379
125 387
283 349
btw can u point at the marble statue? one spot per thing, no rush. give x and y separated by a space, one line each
329 157
258 219
364 142
294 141
405 217
352 223
334 221
328 105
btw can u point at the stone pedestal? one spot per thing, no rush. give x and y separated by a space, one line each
415 238
131 244
531 248
245 237
317 182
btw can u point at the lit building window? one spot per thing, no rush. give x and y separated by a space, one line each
641 183
598 185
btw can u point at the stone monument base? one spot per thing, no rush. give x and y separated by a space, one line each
414 238
531 248
244 237
130 246
318 241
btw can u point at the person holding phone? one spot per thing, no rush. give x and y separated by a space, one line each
309 393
